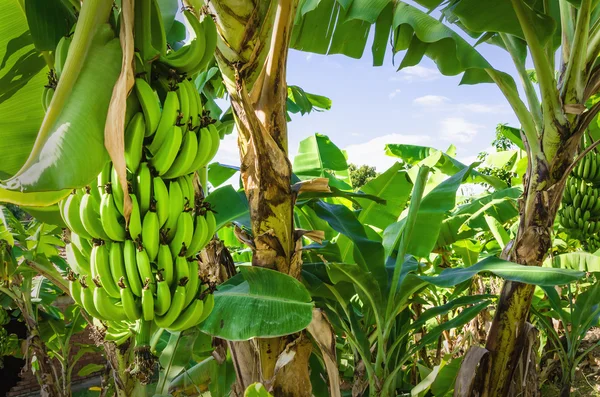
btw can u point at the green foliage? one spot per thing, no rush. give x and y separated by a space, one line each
359 176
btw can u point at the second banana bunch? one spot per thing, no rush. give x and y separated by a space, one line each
579 214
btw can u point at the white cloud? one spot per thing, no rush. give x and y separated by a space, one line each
309 57
393 94
228 150
457 129
430 100
373 151
417 73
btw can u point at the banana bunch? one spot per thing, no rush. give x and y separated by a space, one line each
588 168
579 214
177 140
145 270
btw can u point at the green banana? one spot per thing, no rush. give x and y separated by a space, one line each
74 287
110 217
87 298
151 233
205 144
189 318
193 284
182 269
116 258
143 32
144 268
100 265
187 58
193 121
104 178
60 54
176 205
144 188
185 158
209 304
117 190
168 118
47 95
577 200
159 36
210 38
165 263
150 105
199 238
586 167
107 307
183 233
166 154
584 202
163 295
130 306
161 198
71 214
176 306
187 188
133 275
134 141
147 302
76 260
135 220
90 217
83 245
216 141
184 107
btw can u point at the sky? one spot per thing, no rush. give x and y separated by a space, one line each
373 106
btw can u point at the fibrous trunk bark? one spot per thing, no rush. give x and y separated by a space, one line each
544 185
252 54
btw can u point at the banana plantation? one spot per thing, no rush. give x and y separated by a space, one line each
135 262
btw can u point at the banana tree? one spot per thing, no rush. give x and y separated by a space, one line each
562 39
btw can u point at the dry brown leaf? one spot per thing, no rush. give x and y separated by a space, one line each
320 185
114 131
465 380
321 330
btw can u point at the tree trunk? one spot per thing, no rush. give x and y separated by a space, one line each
544 184
252 54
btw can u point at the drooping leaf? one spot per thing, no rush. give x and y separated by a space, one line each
281 302
367 252
196 378
394 187
90 369
75 140
432 211
22 80
361 279
319 157
219 173
582 261
508 271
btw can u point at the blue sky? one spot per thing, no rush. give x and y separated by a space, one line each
372 106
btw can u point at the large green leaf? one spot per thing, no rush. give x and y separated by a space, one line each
197 376
583 261
507 270
363 281
168 10
445 162
219 173
499 16
175 357
432 211
394 187
228 205
257 390
319 157
367 252
281 302
22 80
75 138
